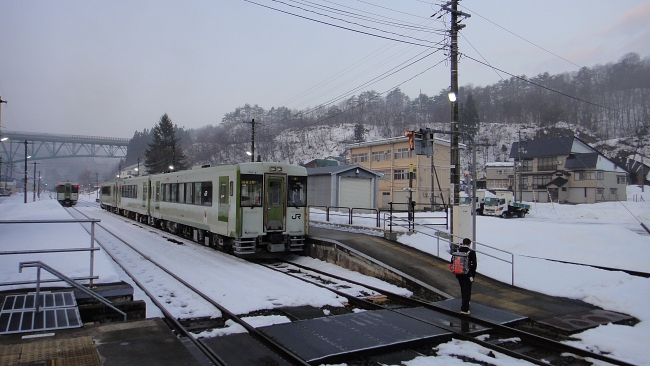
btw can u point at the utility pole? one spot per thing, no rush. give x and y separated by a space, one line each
25 183
252 122
138 167
39 184
5 102
453 98
34 192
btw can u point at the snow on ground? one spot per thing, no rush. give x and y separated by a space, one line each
604 234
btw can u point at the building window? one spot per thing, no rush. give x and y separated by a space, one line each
620 179
503 171
404 153
600 175
523 183
498 184
380 155
526 165
584 176
546 164
600 190
359 158
402 174
540 181
385 174
613 190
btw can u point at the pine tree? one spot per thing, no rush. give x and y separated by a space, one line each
164 151
469 121
359 133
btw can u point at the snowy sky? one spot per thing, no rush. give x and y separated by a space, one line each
108 68
604 234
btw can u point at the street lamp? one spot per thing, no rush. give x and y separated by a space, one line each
4 139
452 97
171 167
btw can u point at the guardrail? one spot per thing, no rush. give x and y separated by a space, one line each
40 265
92 248
396 221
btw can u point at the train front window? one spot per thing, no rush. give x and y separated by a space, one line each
297 192
75 189
251 190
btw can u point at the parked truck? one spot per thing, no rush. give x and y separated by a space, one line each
481 195
504 205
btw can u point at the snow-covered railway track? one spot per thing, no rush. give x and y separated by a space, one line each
183 305
508 340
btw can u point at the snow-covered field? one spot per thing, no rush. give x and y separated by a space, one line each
604 234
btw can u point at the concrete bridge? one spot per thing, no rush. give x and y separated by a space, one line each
16 146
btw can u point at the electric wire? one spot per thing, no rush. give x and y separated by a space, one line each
339 26
351 22
372 81
408 26
539 85
520 37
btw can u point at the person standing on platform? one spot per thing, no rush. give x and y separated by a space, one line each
465 280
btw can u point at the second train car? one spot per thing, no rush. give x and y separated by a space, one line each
256 209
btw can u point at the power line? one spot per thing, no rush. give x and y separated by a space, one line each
522 38
539 85
339 26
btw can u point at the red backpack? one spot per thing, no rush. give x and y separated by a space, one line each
459 263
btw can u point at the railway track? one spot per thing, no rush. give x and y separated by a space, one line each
507 340
175 283
495 337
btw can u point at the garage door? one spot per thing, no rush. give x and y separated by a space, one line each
355 192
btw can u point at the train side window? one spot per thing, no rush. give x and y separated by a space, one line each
174 196
181 192
189 189
206 197
197 193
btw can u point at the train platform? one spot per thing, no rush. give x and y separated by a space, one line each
120 343
562 314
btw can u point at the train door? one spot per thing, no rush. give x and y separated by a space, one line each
156 203
274 202
144 194
222 210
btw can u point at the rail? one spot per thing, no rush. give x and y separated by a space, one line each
40 265
396 221
92 248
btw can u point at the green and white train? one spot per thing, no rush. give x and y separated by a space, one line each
252 210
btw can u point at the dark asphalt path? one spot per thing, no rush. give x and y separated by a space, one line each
435 272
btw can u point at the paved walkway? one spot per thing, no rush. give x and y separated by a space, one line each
435 272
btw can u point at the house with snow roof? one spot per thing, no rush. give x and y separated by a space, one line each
566 170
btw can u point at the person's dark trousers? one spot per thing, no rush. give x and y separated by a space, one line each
465 291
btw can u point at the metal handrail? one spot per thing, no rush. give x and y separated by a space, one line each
92 248
40 265
448 239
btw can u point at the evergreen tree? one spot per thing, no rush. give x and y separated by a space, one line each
164 150
359 133
469 121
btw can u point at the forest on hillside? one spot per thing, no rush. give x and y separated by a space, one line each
609 101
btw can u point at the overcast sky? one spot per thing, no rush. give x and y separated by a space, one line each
109 68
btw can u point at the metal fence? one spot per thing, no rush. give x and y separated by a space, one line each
91 277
